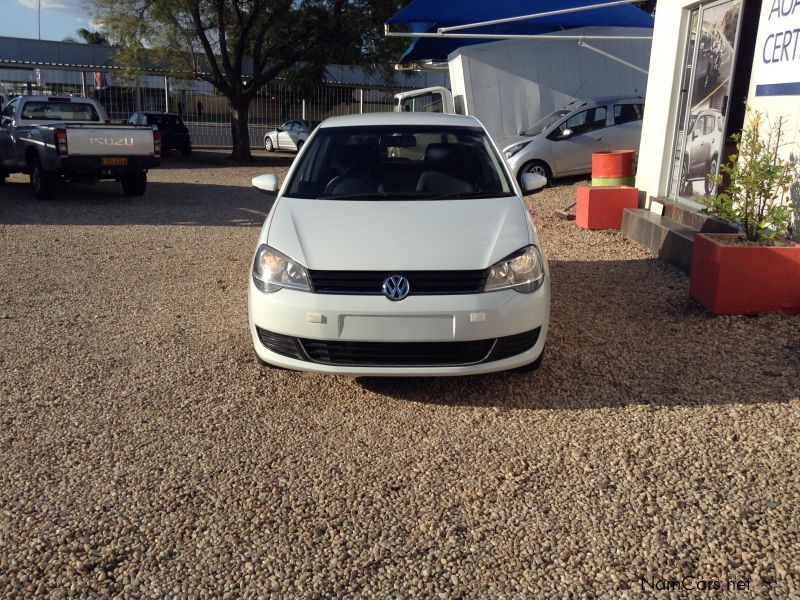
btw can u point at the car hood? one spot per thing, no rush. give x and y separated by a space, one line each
378 235
505 142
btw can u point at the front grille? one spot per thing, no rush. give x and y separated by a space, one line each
420 282
398 354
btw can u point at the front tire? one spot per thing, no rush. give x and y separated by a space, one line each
536 166
268 144
42 184
135 184
712 172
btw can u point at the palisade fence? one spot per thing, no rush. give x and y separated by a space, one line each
204 110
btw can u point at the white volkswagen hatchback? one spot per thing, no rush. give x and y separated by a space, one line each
399 244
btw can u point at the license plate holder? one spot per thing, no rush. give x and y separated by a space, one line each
114 161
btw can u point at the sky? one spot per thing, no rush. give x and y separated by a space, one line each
60 18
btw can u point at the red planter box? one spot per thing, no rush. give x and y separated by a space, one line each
744 280
601 207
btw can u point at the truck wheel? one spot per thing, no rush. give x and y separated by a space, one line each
42 184
134 185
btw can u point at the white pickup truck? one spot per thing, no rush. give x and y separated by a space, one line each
71 139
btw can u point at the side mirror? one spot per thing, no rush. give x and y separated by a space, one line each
266 183
532 182
566 133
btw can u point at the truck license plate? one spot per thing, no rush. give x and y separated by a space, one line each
113 162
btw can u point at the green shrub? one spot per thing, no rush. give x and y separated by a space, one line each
759 179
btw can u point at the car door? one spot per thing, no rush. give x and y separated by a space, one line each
7 134
699 145
626 131
572 153
284 139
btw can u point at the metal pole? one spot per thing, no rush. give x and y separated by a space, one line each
39 13
83 84
166 93
612 57
534 16
361 100
304 109
494 36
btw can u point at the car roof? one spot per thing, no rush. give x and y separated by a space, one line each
603 100
401 118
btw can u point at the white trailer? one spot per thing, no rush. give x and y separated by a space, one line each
508 85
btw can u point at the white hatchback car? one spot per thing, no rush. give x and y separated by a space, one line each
399 245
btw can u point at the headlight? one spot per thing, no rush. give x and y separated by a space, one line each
523 271
512 150
273 270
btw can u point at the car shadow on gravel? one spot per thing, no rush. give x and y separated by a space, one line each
626 332
189 203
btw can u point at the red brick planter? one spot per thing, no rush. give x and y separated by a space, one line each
744 280
602 207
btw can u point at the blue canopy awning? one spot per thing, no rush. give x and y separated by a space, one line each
426 16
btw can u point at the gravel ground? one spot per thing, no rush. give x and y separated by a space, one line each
143 452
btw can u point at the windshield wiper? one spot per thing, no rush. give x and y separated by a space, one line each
467 195
367 196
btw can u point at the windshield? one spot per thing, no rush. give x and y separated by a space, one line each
59 111
542 124
399 163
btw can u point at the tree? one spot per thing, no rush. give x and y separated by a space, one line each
93 37
240 45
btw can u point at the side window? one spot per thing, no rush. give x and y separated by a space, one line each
577 123
431 102
8 112
709 124
585 121
627 113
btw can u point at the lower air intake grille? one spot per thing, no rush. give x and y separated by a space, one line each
398 354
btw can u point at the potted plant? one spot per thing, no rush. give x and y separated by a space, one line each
757 270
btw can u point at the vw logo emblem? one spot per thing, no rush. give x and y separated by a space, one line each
396 287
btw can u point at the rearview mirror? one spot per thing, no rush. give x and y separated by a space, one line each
532 182
266 183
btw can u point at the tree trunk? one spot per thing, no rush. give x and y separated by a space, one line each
240 108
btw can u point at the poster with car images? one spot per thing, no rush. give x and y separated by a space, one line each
707 81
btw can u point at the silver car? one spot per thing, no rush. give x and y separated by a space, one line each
289 136
701 157
562 143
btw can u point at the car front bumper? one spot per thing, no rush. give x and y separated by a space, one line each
327 333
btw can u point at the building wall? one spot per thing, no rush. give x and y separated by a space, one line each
663 87
775 79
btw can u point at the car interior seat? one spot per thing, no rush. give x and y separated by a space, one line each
446 170
357 170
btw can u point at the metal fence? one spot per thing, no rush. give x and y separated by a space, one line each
203 109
